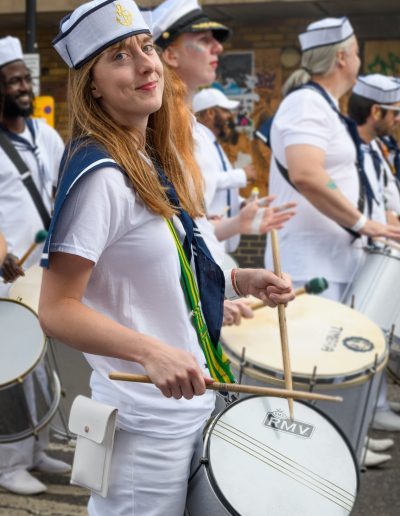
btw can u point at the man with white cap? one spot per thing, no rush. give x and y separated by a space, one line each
214 110
316 162
375 107
25 207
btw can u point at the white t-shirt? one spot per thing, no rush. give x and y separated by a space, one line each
311 244
19 218
136 282
218 181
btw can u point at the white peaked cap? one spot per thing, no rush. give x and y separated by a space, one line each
169 12
379 88
174 17
10 50
328 31
211 97
95 26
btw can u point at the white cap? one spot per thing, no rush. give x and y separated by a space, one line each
96 25
211 97
10 50
379 88
174 17
328 31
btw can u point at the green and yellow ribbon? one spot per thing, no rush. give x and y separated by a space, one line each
217 362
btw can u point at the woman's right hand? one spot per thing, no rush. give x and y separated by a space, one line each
175 371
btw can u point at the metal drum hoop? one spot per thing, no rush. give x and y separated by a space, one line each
271 376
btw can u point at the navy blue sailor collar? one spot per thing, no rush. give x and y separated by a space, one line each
80 157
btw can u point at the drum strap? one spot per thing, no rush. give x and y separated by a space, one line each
217 362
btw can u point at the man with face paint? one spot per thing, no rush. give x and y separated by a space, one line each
214 111
40 148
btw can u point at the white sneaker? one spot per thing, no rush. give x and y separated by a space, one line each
21 482
47 464
386 420
378 445
372 459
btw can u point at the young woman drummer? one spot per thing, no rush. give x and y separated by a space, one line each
120 244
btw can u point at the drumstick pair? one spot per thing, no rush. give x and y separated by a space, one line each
237 387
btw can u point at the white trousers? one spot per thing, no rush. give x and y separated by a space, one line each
23 454
149 476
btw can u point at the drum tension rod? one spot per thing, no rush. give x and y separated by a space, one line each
312 383
243 364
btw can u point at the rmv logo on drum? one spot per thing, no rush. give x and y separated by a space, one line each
278 420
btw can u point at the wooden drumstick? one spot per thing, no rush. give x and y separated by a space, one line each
237 387
39 238
282 324
314 286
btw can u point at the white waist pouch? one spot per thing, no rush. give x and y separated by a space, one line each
94 424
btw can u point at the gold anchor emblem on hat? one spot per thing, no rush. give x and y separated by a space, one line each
124 17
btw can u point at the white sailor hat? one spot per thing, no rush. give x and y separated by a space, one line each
175 17
379 88
10 50
211 97
96 25
328 31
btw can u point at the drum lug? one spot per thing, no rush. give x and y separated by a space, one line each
203 461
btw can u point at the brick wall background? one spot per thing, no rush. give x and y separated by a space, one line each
268 40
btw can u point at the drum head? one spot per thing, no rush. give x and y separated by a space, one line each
22 341
261 462
340 341
27 288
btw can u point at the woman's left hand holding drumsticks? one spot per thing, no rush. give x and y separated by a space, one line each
265 285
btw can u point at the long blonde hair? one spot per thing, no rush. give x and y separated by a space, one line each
87 118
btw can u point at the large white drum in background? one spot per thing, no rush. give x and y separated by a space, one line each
257 462
29 388
341 343
70 365
375 289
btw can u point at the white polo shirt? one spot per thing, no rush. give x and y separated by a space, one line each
19 218
311 244
136 282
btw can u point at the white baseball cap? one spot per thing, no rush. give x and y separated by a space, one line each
10 50
211 97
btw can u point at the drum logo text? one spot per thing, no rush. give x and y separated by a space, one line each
332 339
358 344
278 420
